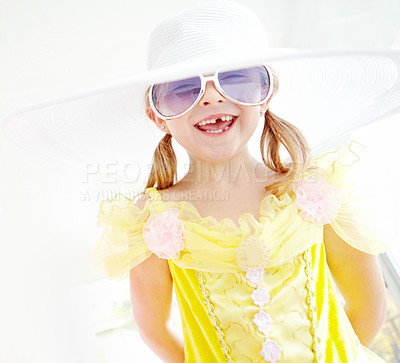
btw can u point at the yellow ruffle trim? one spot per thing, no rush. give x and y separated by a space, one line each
369 213
211 245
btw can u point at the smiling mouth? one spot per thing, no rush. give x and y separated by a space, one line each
216 126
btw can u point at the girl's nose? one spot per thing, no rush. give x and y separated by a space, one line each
211 95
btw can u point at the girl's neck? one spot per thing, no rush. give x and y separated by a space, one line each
239 172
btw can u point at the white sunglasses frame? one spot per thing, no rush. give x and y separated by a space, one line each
214 78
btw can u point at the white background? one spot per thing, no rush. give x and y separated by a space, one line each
47 229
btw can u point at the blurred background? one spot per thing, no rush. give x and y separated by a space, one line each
55 306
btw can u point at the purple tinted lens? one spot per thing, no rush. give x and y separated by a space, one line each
173 98
248 85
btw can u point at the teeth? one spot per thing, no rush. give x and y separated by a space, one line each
206 122
218 131
213 120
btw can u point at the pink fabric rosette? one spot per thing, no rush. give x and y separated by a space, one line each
318 200
163 234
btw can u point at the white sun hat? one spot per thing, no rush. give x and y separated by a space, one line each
325 93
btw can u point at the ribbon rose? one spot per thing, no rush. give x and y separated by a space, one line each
318 200
163 234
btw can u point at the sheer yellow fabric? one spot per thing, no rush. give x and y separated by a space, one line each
369 213
121 246
212 291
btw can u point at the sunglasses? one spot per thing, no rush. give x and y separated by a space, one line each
247 86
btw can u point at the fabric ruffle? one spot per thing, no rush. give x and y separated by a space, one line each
369 215
363 220
121 246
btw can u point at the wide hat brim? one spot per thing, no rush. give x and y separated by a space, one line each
326 94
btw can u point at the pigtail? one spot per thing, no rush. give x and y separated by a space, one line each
277 131
163 172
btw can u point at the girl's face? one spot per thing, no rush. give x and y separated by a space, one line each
213 146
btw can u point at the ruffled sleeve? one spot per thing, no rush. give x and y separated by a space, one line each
121 246
369 214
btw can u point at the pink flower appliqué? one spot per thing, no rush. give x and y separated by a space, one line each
255 275
263 322
270 351
163 234
261 296
318 200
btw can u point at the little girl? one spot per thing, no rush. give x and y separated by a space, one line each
254 266
253 272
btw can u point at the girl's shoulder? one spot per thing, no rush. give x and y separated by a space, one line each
142 200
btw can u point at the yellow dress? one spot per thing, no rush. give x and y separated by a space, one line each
260 292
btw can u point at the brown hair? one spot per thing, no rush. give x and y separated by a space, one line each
164 169
276 131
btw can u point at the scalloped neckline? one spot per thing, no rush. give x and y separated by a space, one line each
237 225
